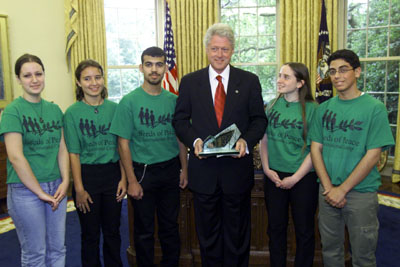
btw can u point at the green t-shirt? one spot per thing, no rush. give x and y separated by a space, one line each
145 120
285 134
87 132
40 125
347 129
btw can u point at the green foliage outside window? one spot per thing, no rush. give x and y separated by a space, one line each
373 32
254 24
130 28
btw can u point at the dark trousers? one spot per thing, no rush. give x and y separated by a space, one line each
101 182
223 228
161 195
303 199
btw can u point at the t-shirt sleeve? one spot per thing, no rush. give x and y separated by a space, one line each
379 134
10 121
315 132
71 134
310 117
59 113
122 123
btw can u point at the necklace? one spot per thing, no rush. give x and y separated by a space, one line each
95 107
290 102
41 110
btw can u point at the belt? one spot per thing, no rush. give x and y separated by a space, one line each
155 165
144 166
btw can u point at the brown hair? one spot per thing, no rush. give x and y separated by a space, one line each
78 71
24 59
301 73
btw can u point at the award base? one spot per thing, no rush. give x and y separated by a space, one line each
221 144
219 153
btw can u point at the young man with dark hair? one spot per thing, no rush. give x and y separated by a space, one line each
154 160
348 134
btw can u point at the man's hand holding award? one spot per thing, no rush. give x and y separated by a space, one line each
222 144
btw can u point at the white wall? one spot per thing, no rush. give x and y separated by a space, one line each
37 27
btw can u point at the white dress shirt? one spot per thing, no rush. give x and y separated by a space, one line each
214 82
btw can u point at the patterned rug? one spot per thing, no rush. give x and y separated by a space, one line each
388 250
6 223
10 252
385 198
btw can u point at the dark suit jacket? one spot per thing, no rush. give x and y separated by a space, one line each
195 118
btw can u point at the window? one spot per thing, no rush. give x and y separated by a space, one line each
373 32
131 27
254 24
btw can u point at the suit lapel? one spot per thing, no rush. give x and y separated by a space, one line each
232 96
206 97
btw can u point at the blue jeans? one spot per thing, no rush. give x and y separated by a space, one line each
41 231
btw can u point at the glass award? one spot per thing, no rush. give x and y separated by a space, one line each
221 144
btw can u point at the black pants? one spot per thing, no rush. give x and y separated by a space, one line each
161 195
101 182
303 199
223 228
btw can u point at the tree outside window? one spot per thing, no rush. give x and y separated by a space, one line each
254 24
130 28
373 32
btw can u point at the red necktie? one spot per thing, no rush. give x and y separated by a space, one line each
219 100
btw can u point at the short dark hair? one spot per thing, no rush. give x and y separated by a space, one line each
154 51
24 59
347 55
78 71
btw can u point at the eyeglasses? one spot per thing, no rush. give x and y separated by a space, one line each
332 72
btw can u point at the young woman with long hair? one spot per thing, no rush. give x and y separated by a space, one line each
286 161
99 181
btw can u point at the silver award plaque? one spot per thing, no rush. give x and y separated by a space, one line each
221 144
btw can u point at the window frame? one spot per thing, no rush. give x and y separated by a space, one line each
159 23
276 64
342 43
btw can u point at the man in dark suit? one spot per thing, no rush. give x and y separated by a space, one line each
209 101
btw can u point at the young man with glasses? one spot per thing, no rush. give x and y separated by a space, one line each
348 133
